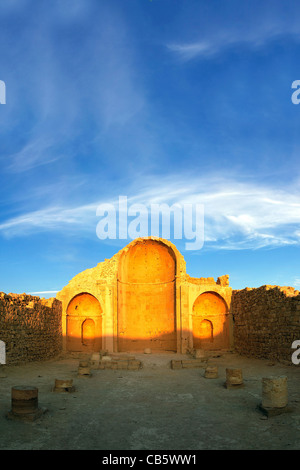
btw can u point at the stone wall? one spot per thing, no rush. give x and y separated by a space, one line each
266 321
30 327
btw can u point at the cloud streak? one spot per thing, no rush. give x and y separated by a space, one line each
238 215
43 292
253 37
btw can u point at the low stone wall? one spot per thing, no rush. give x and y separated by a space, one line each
266 321
189 364
30 327
102 361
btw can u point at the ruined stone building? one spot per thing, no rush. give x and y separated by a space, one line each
143 298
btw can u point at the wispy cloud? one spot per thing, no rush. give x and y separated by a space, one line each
238 215
56 218
253 37
296 283
190 51
43 292
35 153
61 95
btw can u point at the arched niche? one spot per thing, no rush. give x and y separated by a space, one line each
84 323
210 322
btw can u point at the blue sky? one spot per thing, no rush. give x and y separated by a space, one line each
166 101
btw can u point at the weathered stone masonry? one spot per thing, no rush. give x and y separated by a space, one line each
266 321
142 298
30 327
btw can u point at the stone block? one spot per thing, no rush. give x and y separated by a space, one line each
176 365
274 392
234 379
211 372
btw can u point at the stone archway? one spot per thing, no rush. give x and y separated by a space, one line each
210 322
146 297
84 323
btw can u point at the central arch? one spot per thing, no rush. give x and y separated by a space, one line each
146 297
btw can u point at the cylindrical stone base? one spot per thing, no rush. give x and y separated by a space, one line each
84 369
234 378
211 372
24 403
65 385
147 351
24 400
274 392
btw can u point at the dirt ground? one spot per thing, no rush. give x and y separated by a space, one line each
155 408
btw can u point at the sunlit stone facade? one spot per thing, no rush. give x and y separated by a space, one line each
143 298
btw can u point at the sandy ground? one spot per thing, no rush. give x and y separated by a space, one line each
155 408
